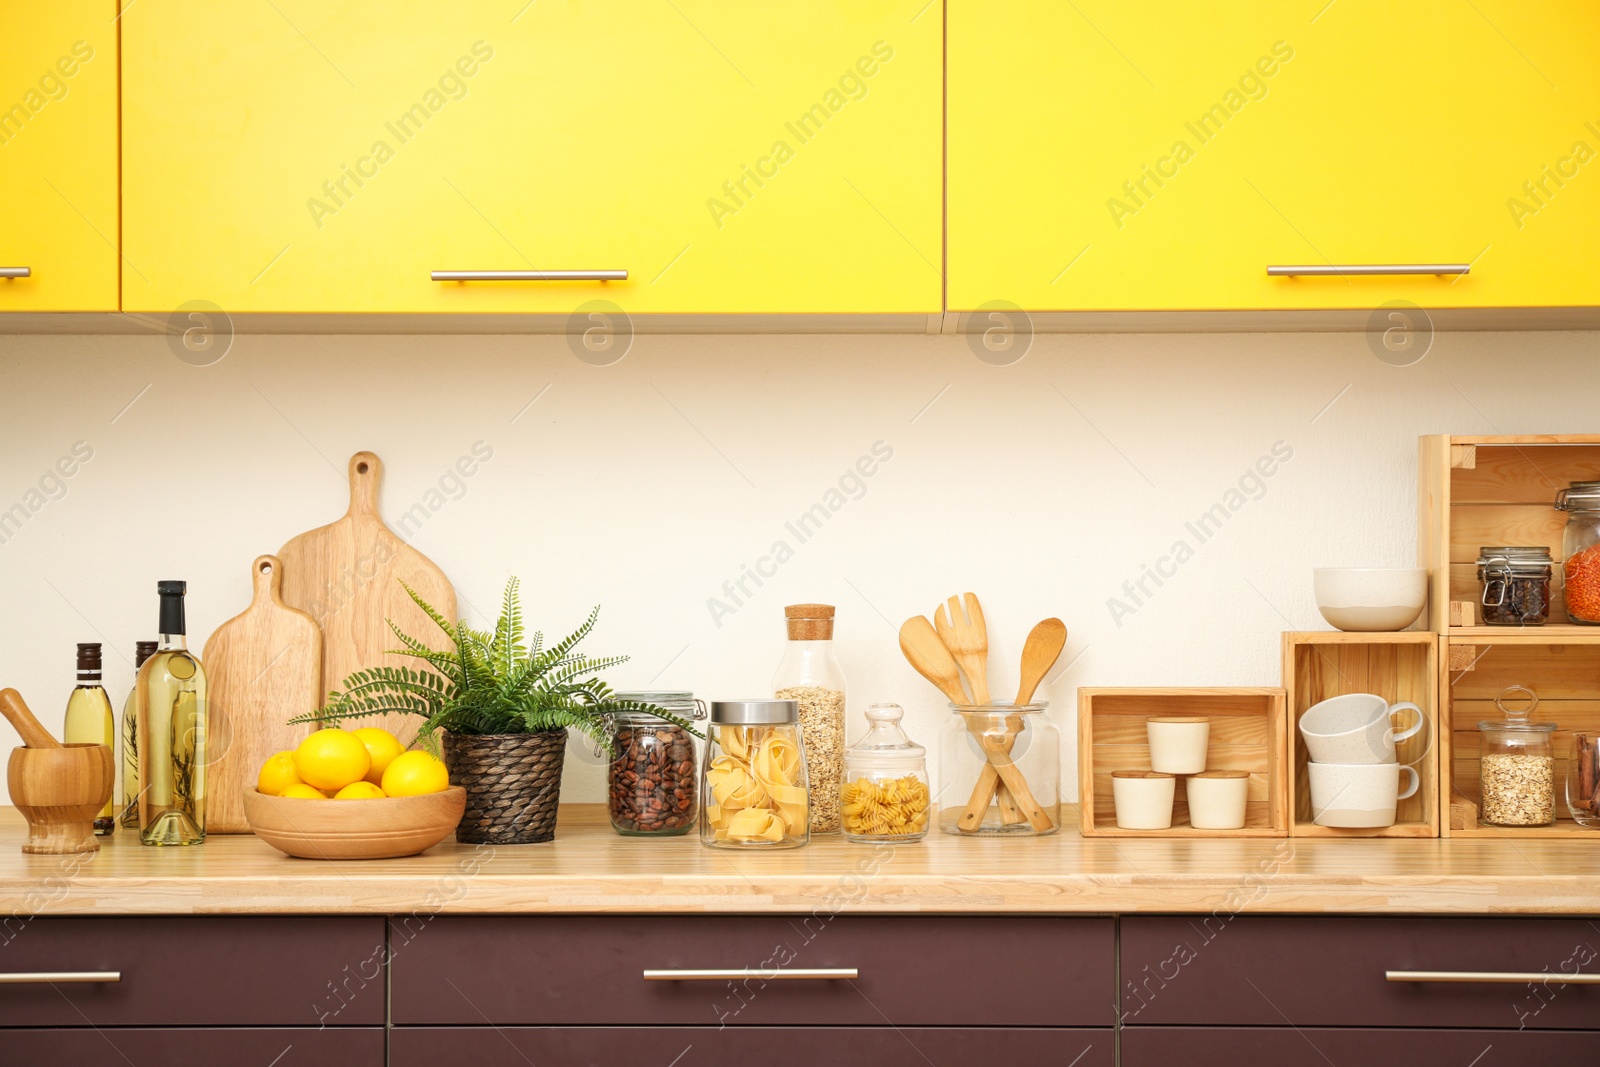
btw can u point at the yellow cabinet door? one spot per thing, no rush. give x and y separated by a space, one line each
304 156
1163 155
58 155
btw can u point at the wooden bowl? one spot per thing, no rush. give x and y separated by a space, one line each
354 829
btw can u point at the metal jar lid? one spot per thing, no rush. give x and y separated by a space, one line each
680 702
1520 560
1579 496
754 712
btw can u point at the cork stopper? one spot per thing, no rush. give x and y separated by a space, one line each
809 622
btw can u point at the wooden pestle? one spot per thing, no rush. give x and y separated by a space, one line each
34 735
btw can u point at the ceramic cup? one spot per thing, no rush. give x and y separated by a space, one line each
1358 794
1356 728
1217 799
1178 744
1143 799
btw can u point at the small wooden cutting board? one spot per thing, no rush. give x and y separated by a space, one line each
263 667
347 576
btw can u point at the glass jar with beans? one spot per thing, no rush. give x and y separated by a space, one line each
652 790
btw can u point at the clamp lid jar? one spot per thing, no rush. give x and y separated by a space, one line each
1580 549
1516 584
651 785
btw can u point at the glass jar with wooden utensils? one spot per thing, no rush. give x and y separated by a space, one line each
985 746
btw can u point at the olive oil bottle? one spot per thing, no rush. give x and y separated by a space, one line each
170 703
142 650
90 722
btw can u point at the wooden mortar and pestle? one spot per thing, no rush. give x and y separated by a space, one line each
58 788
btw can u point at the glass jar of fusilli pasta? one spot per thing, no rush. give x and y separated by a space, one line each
756 794
885 795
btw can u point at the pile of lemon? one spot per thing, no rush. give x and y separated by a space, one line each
363 764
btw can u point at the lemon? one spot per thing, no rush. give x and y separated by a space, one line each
362 790
332 759
301 791
414 773
383 747
277 774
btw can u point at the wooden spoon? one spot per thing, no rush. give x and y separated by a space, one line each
1039 653
931 659
967 638
34 735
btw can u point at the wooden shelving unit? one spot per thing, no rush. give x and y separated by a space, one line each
1395 666
1247 734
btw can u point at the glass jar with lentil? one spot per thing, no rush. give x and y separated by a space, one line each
1580 548
652 788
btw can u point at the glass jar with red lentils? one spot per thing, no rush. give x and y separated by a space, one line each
1580 548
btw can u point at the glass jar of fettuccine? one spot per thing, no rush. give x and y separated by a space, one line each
754 792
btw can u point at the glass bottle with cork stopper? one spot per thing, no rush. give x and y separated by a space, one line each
885 796
810 675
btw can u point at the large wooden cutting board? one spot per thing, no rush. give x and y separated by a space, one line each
347 576
262 667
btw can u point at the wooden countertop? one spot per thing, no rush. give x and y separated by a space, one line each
588 868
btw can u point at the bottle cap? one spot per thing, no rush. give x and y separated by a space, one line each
171 592
143 650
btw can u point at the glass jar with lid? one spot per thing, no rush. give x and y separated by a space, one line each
1580 550
755 793
885 795
810 675
1516 764
651 785
1516 584
999 771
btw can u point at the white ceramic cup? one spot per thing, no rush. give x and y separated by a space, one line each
1217 799
1143 799
1356 728
1178 744
1360 795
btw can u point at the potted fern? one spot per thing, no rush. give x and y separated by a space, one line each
504 704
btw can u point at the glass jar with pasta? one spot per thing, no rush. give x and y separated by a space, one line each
885 795
754 787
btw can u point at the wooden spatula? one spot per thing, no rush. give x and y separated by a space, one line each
264 666
1039 653
967 637
924 651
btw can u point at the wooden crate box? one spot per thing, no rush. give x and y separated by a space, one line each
1247 734
1395 666
1565 675
1478 491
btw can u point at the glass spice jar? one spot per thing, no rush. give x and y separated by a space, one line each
1583 780
652 787
973 744
1516 765
1516 585
754 787
810 675
1580 550
885 795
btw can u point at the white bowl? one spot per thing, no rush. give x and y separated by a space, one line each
1370 599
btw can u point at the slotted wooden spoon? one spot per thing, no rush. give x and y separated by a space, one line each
967 637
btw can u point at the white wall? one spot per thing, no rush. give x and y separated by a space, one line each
645 485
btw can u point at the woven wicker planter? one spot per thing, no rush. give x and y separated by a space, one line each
513 783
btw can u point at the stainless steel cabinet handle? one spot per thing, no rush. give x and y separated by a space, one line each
530 275
16 272
1324 269
798 973
1492 977
31 977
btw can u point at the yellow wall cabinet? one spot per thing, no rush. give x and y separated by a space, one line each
1116 156
58 155
302 156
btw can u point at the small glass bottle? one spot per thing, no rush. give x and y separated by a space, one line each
885 796
755 792
171 712
973 745
142 650
90 722
810 675
652 787
1580 549
1516 767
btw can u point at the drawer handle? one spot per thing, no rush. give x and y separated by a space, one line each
1492 977
32 977
1324 269
16 272
816 974
530 275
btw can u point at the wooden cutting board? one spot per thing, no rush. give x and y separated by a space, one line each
347 576
262 668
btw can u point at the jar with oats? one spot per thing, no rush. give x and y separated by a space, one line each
1516 765
810 675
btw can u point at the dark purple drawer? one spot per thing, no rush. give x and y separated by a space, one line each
914 971
1161 1046
1329 971
224 971
688 1046
346 1047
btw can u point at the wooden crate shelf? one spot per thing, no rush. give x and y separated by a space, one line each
1395 666
1247 734
1564 671
1478 491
